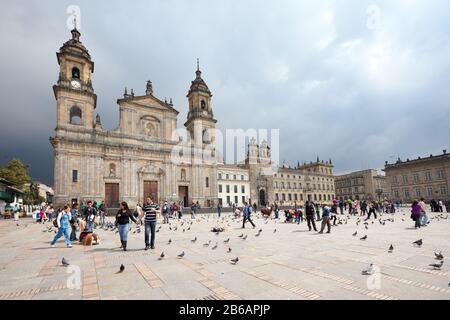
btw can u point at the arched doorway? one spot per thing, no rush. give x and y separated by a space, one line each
262 197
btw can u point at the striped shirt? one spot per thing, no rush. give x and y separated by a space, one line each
150 212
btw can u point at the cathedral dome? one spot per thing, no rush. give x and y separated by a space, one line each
74 46
199 85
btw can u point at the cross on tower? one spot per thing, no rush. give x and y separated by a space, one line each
75 21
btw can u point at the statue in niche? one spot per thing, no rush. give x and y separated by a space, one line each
112 170
150 129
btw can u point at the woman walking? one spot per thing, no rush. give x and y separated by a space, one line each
416 211
63 223
122 221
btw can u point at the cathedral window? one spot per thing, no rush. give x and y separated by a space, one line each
75 73
203 105
183 175
74 175
207 182
75 115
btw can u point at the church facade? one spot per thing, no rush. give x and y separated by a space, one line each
136 160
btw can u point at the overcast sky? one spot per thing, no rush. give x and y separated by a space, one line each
357 81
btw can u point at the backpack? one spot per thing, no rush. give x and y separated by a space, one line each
55 223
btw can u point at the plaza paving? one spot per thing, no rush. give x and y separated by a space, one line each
290 264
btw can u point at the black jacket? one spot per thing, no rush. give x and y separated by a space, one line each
309 210
124 217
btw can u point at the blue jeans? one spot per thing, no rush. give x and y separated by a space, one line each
90 226
150 228
73 234
61 232
123 231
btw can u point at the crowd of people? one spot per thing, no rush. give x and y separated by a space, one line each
84 218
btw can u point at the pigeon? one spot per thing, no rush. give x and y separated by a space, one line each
215 246
369 270
363 238
122 268
170 241
260 230
367 228
418 243
194 240
181 255
226 241
275 231
391 249
162 256
229 250
437 266
64 262
241 236
439 256
258 234
355 234
207 243
245 238
235 260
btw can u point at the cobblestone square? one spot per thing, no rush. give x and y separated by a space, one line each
289 264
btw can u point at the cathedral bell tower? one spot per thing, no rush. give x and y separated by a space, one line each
74 94
201 126
200 122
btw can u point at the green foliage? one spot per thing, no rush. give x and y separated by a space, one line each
16 172
31 196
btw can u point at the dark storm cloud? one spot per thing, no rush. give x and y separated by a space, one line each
337 82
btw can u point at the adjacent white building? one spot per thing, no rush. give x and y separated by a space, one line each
233 185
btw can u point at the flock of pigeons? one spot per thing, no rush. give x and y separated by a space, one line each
187 225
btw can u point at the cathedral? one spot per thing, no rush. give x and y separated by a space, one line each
136 160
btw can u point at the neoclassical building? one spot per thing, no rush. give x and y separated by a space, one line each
424 177
145 156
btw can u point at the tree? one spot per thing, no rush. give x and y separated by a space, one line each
32 196
16 172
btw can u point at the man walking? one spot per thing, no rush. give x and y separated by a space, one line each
309 210
247 213
326 212
219 209
102 209
89 216
318 211
193 210
150 211
372 210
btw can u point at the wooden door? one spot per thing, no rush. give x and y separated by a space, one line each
183 195
112 195
151 190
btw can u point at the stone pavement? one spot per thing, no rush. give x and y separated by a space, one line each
289 264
